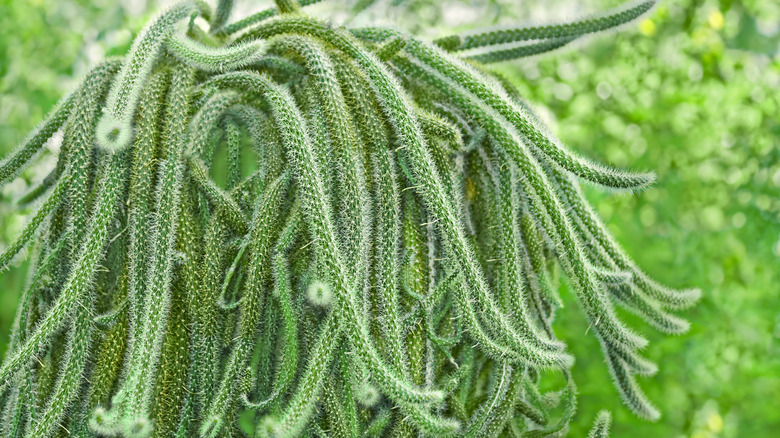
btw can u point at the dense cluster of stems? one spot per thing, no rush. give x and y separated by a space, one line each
283 227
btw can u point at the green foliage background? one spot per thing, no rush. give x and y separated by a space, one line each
691 92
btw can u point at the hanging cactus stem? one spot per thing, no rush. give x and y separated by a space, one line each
378 262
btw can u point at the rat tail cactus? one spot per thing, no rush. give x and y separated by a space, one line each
281 227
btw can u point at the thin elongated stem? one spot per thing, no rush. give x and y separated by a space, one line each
352 187
67 385
286 370
114 131
481 38
80 280
31 227
221 15
12 165
262 237
140 188
523 51
223 201
259 17
150 329
213 60
585 214
601 425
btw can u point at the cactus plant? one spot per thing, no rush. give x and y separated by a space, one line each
319 230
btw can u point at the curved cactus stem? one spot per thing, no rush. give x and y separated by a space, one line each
536 258
601 425
204 122
233 135
80 280
222 200
390 49
212 59
36 192
490 37
114 131
354 206
263 232
140 187
31 228
221 15
615 255
286 370
632 396
522 51
149 330
648 309
596 305
67 385
16 161
388 247
258 17
295 414
510 244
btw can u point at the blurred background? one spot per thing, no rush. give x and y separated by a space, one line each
691 91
